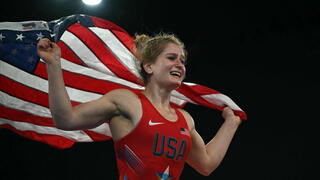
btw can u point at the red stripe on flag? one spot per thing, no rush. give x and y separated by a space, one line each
241 114
125 39
23 92
53 140
189 92
102 52
195 92
104 24
22 116
67 53
97 136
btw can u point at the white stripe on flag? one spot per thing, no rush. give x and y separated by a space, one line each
37 110
124 56
190 84
41 84
72 67
24 126
103 129
84 53
18 104
221 100
179 99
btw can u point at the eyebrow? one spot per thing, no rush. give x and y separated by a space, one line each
175 54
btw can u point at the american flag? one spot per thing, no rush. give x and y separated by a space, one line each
96 58
185 131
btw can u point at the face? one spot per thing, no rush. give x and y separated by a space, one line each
169 67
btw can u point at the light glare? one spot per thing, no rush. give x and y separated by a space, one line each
91 2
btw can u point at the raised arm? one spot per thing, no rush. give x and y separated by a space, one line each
205 158
83 116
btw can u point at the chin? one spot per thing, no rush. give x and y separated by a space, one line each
175 85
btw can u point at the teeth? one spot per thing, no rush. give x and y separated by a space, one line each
175 73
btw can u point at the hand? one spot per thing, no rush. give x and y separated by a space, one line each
229 116
49 51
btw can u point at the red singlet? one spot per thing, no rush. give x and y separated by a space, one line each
155 149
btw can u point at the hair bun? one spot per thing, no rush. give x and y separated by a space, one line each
140 41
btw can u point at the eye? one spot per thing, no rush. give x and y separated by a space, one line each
183 61
171 58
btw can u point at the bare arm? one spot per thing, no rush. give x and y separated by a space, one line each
83 116
206 158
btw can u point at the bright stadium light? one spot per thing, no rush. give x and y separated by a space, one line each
91 2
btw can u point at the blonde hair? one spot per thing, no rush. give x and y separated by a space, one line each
149 48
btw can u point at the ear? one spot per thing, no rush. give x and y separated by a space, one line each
147 68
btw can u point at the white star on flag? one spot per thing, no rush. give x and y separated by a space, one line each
40 36
20 37
1 37
59 23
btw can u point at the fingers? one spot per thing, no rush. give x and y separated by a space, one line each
54 45
45 43
48 51
226 112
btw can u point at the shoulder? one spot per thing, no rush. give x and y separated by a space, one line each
126 101
188 118
120 94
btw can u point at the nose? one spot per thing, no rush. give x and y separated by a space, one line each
180 62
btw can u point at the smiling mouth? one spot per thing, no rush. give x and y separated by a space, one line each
175 73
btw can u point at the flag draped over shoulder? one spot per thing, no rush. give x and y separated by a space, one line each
96 58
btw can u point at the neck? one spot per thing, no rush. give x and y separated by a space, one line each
159 97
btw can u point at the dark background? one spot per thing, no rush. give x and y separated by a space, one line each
262 54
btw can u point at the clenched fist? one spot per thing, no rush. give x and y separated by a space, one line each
229 116
49 51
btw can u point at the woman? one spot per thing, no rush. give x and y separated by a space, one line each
152 139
